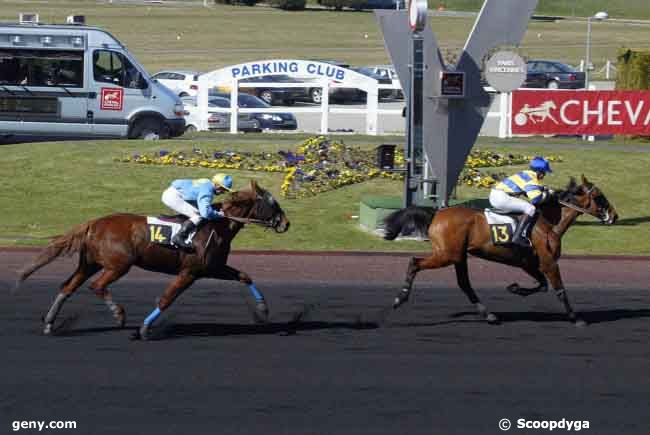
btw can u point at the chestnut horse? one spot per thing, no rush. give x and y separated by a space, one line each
458 231
114 243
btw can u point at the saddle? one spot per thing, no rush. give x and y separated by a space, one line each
502 225
162 228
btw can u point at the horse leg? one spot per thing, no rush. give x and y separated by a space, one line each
462 277
174 290
537 274
416 265
100 287
83 272
261 312
552 270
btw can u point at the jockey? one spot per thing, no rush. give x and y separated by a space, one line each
504 196
200 191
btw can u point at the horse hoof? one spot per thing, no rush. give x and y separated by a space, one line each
492 319
513 288
47 330
120 316
261 314
580 323
401 298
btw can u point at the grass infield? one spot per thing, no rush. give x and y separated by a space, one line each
49 187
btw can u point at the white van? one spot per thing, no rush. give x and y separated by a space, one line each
71 80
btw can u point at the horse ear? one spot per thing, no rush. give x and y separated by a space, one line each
253 186
572 183
584 179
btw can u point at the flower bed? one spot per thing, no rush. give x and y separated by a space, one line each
319 165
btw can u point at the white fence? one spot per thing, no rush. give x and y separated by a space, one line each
325 76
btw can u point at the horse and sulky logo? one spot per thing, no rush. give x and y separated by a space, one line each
536 114
112 99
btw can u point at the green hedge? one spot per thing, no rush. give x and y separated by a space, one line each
633 69
289 5
340 4
237 2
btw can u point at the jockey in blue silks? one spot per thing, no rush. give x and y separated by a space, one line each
527 183
201 191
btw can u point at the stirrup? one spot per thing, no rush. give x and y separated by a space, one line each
181 243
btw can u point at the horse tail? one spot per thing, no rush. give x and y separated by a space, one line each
408 220
66 244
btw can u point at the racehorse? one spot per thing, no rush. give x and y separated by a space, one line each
458 231
117 242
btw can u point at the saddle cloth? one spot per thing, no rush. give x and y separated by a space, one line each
495 218
161 231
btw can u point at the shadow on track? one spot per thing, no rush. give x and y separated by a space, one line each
181 330
590 316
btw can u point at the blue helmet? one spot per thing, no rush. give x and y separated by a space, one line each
540 164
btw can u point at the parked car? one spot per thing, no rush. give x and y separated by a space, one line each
286 96
216 120
389 72
257 121
315 95
182 83
381 79
552 75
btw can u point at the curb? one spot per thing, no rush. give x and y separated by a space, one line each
27 249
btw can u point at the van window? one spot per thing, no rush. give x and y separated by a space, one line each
49 68
114 68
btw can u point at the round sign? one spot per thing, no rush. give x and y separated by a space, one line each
505 71
418 15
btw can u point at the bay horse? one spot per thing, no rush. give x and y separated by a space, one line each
115 243
456 232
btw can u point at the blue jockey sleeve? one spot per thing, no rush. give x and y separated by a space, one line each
204 201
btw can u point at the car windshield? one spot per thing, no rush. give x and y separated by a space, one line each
563 67
219 102
251 101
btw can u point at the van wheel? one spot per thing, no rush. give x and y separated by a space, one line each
150 129
183 94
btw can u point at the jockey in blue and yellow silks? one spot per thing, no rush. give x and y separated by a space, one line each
200 191
527 183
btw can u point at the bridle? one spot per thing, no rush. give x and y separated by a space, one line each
272 222
586 210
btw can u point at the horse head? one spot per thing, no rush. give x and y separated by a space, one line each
590 199
258 206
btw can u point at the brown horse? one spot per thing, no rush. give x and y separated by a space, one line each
114 243
458 231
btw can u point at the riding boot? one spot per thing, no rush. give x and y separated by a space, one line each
180 237
523 230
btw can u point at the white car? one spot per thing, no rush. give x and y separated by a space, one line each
389 72
182 83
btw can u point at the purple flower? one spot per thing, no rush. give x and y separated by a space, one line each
163 153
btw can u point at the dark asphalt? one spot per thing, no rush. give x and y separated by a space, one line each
327 364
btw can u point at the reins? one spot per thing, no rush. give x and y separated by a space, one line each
249 221
575 207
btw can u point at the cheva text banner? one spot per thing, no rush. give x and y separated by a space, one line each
581 112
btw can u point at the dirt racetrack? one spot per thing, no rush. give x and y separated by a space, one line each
331 361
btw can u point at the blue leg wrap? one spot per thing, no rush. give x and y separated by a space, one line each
152 317
256 293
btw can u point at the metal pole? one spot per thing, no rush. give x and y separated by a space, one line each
415 142
588 56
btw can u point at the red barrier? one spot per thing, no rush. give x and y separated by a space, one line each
581 112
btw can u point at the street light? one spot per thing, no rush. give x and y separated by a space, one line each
599 16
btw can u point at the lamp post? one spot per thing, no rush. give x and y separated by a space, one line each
599 16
